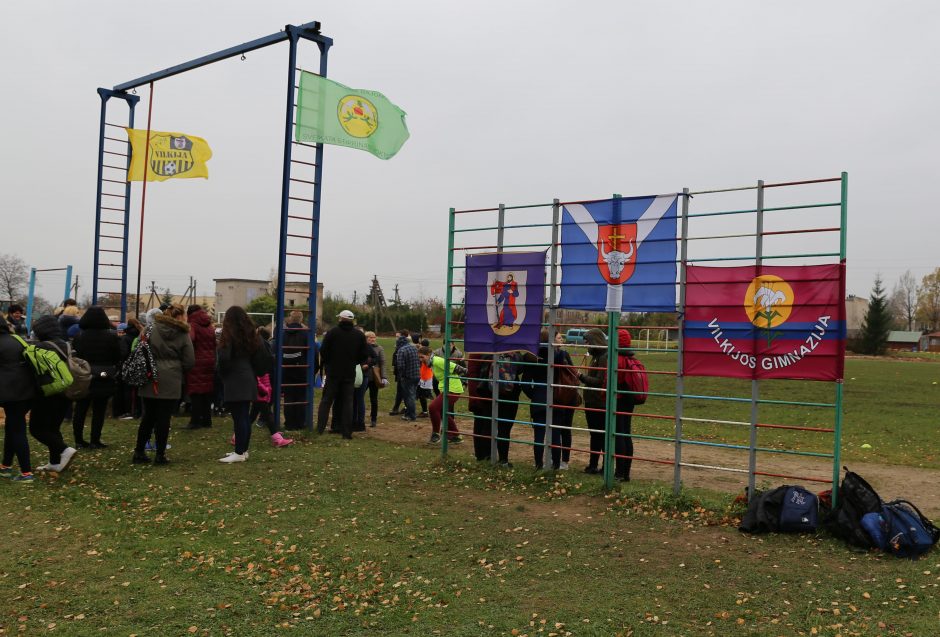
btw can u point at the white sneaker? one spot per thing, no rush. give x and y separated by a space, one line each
234 457
562 466
45 467
65 458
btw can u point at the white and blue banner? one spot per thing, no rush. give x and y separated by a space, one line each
619 255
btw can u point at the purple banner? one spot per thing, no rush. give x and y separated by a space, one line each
505 294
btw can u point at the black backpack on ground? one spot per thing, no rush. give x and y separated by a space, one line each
786 509
856 498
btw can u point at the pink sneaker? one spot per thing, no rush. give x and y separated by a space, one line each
279 440
232 440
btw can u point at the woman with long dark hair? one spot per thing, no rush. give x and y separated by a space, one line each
242 358
100 345
173 356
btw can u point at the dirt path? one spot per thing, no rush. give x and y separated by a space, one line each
922 486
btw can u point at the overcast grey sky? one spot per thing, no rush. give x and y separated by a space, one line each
514 102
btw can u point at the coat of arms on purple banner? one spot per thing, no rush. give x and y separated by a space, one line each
505 294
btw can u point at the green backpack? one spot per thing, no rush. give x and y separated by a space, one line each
52 373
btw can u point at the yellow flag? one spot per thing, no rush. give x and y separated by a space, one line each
170 156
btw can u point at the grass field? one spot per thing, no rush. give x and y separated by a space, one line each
336 538
366 537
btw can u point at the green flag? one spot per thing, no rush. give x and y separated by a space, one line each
330 113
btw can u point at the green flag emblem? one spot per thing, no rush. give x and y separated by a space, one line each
331 113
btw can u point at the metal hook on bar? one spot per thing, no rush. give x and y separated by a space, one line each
243 57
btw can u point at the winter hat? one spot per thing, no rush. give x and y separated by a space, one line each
623 338
150 315
46 328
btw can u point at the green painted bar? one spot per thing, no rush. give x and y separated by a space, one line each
447 322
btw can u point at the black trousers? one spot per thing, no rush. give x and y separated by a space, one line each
261 411
156 420
99 407
295 415
482 430
596 420
341 392
45 424
374 401
623 445
399 394
15 441
201 413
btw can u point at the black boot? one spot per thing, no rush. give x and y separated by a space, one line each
161 459
140 457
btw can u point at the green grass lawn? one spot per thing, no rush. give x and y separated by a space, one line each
360 538
369 537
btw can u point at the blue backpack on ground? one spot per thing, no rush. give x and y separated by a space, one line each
901 529
799 511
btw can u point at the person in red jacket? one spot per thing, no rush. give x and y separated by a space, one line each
200 379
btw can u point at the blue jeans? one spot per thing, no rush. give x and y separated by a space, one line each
240 410
409 387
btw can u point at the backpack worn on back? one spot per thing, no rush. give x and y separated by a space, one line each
632 376
507 375
80 370
901 529
139 368
52 373
856 498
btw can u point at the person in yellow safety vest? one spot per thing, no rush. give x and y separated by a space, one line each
454 391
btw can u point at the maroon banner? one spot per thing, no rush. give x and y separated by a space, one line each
765 322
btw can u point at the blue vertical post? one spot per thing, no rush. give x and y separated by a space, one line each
30 299
324 46
282 251
68 283
131 103
105 95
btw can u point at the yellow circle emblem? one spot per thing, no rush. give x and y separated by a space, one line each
768 301
357 116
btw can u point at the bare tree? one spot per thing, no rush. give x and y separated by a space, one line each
904 300
14 276
928 301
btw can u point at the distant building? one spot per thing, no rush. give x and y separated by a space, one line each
931 342
902 341
856 308
229 292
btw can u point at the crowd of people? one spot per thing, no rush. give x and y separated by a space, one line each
208 370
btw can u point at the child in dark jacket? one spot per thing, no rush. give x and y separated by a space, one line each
48 412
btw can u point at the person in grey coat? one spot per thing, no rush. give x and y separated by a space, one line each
173 356
242 358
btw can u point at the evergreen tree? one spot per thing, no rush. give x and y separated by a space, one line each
874 335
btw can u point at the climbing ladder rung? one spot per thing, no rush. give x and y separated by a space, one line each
301 218
306 163
298 254
299 236
297 273
108 194
111 152
108 208
111 236
114 181
106 250
117 139
109 278
124 168
302 403
304 181
301 199
121 126
114 223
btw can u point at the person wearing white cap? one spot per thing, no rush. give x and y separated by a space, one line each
344 347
